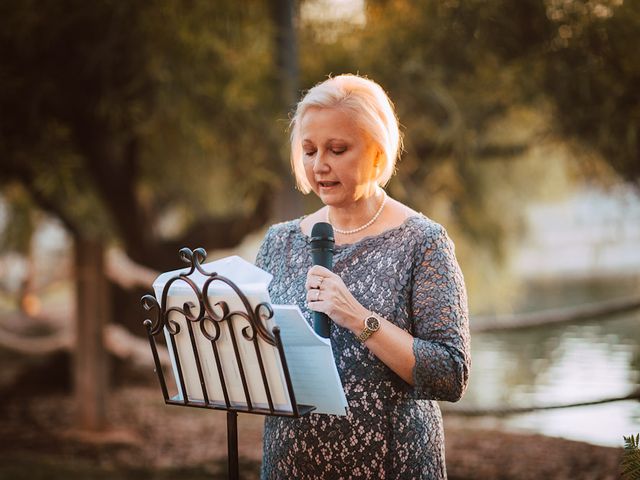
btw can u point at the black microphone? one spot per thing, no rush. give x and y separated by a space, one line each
322 243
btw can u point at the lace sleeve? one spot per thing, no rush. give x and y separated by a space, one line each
440 322
263 257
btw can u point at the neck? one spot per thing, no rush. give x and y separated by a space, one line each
358 213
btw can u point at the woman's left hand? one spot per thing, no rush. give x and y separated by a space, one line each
327 293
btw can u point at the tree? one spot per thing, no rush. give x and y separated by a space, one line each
479 87
116 114
591 76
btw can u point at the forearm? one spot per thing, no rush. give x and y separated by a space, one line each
391 344
327 293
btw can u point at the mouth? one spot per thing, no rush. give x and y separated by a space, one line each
327 184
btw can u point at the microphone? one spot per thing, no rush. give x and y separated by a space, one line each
322 243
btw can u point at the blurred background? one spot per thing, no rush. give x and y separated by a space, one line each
131 129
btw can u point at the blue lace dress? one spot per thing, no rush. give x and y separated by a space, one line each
410 276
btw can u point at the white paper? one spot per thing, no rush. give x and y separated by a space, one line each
310 361
312 369
244 275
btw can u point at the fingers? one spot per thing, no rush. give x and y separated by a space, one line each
320 289
317 302
321 306
320 271
314 295
315 280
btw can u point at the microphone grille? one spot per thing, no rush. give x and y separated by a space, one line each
322 231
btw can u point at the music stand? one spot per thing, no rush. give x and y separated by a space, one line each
215 318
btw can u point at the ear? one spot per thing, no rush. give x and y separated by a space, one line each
376 161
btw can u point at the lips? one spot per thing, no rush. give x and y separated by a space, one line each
327 184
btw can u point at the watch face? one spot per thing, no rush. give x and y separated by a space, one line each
372 323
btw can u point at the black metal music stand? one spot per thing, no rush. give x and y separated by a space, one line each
209 318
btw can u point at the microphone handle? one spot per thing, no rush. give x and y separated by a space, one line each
321 322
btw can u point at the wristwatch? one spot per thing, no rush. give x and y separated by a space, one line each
371 325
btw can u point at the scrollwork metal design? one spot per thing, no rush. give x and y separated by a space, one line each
210 319
150 304
216 329
203 312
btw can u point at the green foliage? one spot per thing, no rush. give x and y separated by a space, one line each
454 94
19 220
591 74
631 458
486 92
215 110
115 113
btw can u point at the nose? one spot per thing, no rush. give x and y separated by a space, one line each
320 163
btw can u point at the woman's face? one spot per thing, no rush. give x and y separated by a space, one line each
338 156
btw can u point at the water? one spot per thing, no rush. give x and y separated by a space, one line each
558 365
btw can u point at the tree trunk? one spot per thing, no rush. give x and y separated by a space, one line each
92 314
288 202
27 301
283 13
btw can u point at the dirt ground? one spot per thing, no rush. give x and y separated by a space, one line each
148 439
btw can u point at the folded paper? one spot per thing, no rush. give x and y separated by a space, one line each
310 360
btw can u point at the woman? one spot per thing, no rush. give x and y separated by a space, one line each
396 298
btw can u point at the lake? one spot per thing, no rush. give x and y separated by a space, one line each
561 364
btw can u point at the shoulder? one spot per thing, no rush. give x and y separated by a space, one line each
275 240
282 232
420 227
426 229
430 239
283 229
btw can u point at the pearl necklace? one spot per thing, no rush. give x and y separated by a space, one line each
368 224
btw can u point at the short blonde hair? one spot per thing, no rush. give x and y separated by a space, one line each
372 109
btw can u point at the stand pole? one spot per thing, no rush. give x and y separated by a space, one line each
232 444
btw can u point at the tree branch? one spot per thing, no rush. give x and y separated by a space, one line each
118 341
25 177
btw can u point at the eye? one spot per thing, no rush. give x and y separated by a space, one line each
338 151
309 153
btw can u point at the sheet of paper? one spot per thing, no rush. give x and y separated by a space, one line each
310 361
231 372
253 283
312 368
